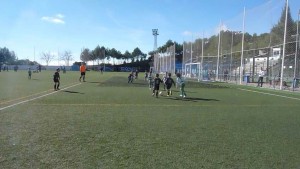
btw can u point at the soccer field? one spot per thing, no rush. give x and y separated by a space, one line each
108 123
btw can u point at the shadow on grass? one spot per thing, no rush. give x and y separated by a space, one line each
186 91
139 84
192 99
68 91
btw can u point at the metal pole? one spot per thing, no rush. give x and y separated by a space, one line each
284 41
191 57
296 53
183 53
242 55
217 73
174 70
202 52
231 55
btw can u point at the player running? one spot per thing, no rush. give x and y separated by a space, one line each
181 84
150 81
164 79
169 81
157 82
130 78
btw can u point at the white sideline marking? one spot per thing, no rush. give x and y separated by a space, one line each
270 94
25 101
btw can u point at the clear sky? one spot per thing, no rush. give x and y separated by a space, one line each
30 27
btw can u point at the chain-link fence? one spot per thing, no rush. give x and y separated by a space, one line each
165 62
263 38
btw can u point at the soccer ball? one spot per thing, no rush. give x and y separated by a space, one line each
160 93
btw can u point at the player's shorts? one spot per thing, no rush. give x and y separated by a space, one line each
168 86
82 73
55 80
156 87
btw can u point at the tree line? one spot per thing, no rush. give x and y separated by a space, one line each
100 54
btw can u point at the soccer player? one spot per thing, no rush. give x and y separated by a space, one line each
29 73
56 79
130 78
164 79
146 75
181 84
261 74
157 82
82 71
168 83
150 80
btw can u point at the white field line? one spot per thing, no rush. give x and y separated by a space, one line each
20 98
25 101
270 94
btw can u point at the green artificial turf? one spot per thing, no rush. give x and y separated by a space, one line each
108 123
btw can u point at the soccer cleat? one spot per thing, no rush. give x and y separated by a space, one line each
152 94
168 95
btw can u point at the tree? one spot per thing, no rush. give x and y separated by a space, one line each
47 57
92 56
97 52
7 56
102 54
277 32
127 55
85 55
67 57
137 53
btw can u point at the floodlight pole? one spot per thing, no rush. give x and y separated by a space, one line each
155 33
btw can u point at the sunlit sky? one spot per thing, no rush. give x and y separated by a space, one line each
30 27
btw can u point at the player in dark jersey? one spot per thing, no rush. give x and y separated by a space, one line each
130 78
164 80
56 79
156 83
29 73
169 81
